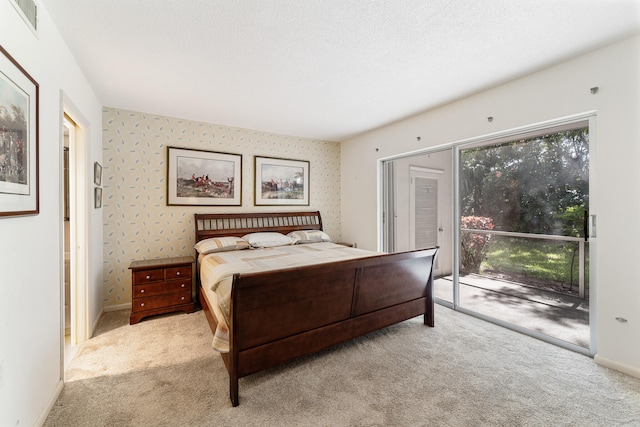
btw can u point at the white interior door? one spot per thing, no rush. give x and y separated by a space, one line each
424 211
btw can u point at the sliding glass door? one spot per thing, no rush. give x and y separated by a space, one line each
418 210
524 206
510 215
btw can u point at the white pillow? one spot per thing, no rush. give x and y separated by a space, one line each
267 239
309 236
221 244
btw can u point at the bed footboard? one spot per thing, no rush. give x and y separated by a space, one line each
281 315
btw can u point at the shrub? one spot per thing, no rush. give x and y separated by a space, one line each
474 246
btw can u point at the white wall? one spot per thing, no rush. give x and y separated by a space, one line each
31 246
556 92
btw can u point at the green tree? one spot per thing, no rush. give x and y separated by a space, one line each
527 185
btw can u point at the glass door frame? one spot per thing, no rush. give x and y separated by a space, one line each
588 118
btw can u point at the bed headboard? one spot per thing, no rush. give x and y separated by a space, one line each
239 224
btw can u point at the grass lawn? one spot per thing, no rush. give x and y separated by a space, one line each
535 260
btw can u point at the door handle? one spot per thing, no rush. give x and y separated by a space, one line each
585 225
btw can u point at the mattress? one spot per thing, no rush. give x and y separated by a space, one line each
217 270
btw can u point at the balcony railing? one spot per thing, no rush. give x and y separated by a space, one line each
581 251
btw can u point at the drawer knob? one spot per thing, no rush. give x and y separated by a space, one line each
183 285
178 273
182 298
142 304
148 277
142 291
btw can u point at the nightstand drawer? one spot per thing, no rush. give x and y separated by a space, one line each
146 276
183 272
164 300
159 288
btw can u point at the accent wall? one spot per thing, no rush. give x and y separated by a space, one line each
138 224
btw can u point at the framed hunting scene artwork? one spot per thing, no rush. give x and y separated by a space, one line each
18 139
281 182
203 178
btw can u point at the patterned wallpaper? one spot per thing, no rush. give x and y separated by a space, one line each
138 224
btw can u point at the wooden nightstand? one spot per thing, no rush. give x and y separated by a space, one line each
161 286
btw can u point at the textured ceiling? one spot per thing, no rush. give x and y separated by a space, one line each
324 69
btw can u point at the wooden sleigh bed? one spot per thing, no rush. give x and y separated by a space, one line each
279 315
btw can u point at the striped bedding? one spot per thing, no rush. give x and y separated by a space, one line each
217 270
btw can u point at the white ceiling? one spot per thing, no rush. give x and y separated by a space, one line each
322 69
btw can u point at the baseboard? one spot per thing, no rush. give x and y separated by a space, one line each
52 401
126 306
106 310
625 369
95 323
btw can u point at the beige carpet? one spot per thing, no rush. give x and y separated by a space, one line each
463 372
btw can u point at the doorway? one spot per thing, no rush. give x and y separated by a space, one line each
75 319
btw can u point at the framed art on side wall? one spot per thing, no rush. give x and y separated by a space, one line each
281 182
97 197
203 178
19 94
97 173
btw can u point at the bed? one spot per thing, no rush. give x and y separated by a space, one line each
268 317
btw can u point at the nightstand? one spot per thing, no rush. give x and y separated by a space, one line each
161 286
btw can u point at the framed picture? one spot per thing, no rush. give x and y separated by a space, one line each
203 178
19 104
97 193
281 182
97 173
